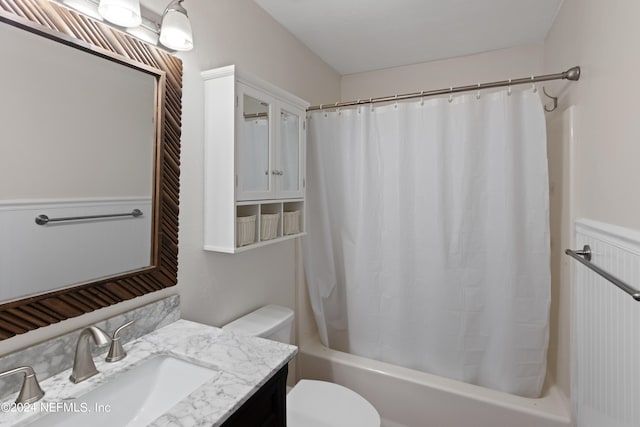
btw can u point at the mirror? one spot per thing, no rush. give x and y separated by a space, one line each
290 150
253 146
90 127
78 140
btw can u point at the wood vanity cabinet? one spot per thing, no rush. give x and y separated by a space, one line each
254 162
266 408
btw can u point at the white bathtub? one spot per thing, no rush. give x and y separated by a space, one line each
409 398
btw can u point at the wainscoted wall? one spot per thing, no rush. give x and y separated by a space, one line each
38 258
605 369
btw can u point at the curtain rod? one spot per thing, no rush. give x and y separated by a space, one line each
571 74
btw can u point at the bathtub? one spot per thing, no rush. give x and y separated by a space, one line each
409 398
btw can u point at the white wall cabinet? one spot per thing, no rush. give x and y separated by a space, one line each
254 162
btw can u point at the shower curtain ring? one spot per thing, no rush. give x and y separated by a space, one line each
533 85
509 88
478 93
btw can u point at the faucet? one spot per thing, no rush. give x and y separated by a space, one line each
83 366
30 391
116 351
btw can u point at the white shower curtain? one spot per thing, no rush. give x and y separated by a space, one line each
428 236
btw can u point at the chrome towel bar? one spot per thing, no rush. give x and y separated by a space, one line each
584 256
44 219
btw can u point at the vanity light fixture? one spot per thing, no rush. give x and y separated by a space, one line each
171 30
175 29
125 13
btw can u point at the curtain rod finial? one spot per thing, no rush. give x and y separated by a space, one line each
573 73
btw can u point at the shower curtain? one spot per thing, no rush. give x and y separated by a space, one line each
428 236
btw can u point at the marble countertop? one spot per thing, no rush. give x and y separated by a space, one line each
243 365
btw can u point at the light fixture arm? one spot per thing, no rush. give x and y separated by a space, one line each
175 6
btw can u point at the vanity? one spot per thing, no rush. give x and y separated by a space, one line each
183 374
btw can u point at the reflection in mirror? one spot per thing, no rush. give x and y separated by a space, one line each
290 150
78 139
253 146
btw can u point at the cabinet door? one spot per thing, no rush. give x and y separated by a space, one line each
290 154
253 145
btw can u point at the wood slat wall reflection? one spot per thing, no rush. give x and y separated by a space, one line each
24 315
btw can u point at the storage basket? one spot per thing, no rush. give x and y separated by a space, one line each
292 222
269 226
245 230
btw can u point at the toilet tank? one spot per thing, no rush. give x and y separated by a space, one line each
272 322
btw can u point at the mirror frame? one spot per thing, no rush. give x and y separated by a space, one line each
53 21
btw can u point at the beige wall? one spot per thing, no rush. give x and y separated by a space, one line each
500 64
602 38
215 288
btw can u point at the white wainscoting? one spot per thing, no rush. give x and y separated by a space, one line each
36 258
606 356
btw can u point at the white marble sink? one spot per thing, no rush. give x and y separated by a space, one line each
134 398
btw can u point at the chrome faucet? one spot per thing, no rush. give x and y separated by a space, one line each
116 351
83 366
30 391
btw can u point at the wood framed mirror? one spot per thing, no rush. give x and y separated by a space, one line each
162 74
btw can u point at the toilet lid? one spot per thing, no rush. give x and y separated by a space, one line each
322 404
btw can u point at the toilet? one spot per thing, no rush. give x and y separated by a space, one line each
310 403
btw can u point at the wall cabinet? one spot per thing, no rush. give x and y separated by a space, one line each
254 162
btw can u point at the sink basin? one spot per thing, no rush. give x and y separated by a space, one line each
135 398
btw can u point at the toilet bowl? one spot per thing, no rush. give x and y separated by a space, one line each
310 403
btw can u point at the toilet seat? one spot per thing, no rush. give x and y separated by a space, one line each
322 404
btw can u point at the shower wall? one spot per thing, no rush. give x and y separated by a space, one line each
602 38
500 64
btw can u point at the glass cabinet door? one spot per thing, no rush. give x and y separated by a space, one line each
253 148
290 154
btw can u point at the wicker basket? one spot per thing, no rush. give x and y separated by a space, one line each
245 230
292 222
269 226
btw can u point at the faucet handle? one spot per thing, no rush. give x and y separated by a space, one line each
116 351
30 390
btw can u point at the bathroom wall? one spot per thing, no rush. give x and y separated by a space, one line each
500 64
215 287
602 38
